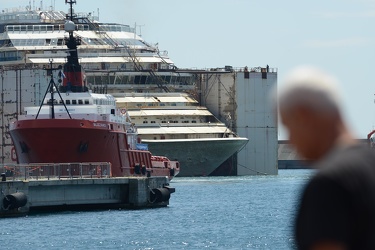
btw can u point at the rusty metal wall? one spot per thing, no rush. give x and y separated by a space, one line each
18 88
218 94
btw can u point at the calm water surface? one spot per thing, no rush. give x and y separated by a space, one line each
253 212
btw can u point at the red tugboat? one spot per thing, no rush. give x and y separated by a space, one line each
75 125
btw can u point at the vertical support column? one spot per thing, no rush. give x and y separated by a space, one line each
256 121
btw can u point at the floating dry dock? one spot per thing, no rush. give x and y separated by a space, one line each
31 187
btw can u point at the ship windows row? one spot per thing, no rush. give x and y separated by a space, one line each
61 27
106 41
10 56
104 102
29 16
31 42
47 42
34 28
86 102
116 28
43 28
11 17
69 102
60 42
140 79
193 121
74 102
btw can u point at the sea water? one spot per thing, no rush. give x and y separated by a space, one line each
252 212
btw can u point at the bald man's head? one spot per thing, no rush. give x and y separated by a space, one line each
312 88
310 108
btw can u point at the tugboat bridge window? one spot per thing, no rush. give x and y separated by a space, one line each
50 101
74 101
67 101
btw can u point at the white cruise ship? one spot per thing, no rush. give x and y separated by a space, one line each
116 61
174 125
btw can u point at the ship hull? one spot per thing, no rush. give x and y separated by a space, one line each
73 140
197 157
64 141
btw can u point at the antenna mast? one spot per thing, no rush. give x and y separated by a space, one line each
71 2
72 69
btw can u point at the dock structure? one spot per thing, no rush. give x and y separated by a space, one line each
289 159
35 187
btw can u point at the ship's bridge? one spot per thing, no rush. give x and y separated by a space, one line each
87 105
85 98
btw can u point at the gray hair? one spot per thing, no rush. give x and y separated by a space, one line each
312 88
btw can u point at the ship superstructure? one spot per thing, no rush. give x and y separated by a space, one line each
119 62
31 38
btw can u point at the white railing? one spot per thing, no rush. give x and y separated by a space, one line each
39 171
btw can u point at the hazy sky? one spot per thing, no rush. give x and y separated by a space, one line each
336 35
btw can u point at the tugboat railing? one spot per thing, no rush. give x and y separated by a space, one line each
47 171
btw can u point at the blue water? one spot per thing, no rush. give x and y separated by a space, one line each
253 212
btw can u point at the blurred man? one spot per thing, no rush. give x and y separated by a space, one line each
337 207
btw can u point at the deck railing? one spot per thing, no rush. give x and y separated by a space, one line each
37 171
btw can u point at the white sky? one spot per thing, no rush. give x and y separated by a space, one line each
336 35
